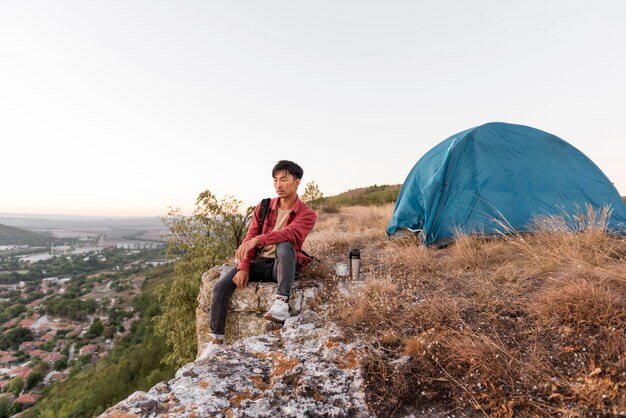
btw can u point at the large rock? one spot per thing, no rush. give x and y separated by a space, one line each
303 370
247 306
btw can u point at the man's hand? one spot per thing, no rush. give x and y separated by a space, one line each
241 279
244 249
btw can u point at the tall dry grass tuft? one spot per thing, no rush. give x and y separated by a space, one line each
410 254
580 302
557 240
468 249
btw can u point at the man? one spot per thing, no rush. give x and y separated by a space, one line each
272 256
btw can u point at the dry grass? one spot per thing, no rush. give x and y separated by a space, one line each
351 227
527 325
363 218
559 240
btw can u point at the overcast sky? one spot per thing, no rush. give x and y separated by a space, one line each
128 107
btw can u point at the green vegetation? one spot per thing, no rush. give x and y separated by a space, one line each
15 236
67 306
14 337
134 364
39 370
6 408
73 266
95 329
10 310
15 385
365 196
138 353
201 241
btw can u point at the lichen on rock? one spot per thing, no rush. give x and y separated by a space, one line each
302 370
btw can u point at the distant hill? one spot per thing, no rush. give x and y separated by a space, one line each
372 195
15 236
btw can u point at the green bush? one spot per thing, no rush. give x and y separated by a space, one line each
201 241
60 364
15 385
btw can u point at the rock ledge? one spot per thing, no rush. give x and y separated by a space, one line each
302 370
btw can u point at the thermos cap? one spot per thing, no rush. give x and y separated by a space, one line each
355 253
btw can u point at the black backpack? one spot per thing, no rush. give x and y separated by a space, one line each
265 206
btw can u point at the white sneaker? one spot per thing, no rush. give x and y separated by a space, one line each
279 311
210 349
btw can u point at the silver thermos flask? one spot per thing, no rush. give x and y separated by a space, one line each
355 264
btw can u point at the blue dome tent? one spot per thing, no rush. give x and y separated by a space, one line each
497 173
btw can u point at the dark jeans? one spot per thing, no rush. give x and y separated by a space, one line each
281 270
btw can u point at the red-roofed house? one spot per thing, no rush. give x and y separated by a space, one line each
26 323
7 360
9 324
48 336
52 357
27 398
27 346
88 349
74 333
21 371
37 353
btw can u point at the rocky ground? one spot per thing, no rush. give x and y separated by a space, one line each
302 370
506 326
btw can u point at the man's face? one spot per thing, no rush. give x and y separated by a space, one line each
285 184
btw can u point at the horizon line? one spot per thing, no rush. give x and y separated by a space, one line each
35 215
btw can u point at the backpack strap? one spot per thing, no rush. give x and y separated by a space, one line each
263 210
265 206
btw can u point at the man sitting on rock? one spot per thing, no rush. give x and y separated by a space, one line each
271 256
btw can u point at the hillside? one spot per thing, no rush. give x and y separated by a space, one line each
372 195
15 236
134 364
527 325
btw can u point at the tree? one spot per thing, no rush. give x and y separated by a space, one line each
109 332
15 337
6 409
207 238
15 385
95 329
60 364
311 193
33 379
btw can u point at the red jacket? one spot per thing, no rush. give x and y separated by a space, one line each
300 222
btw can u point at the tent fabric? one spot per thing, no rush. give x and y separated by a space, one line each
500 173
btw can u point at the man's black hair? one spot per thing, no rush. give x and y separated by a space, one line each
288 166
